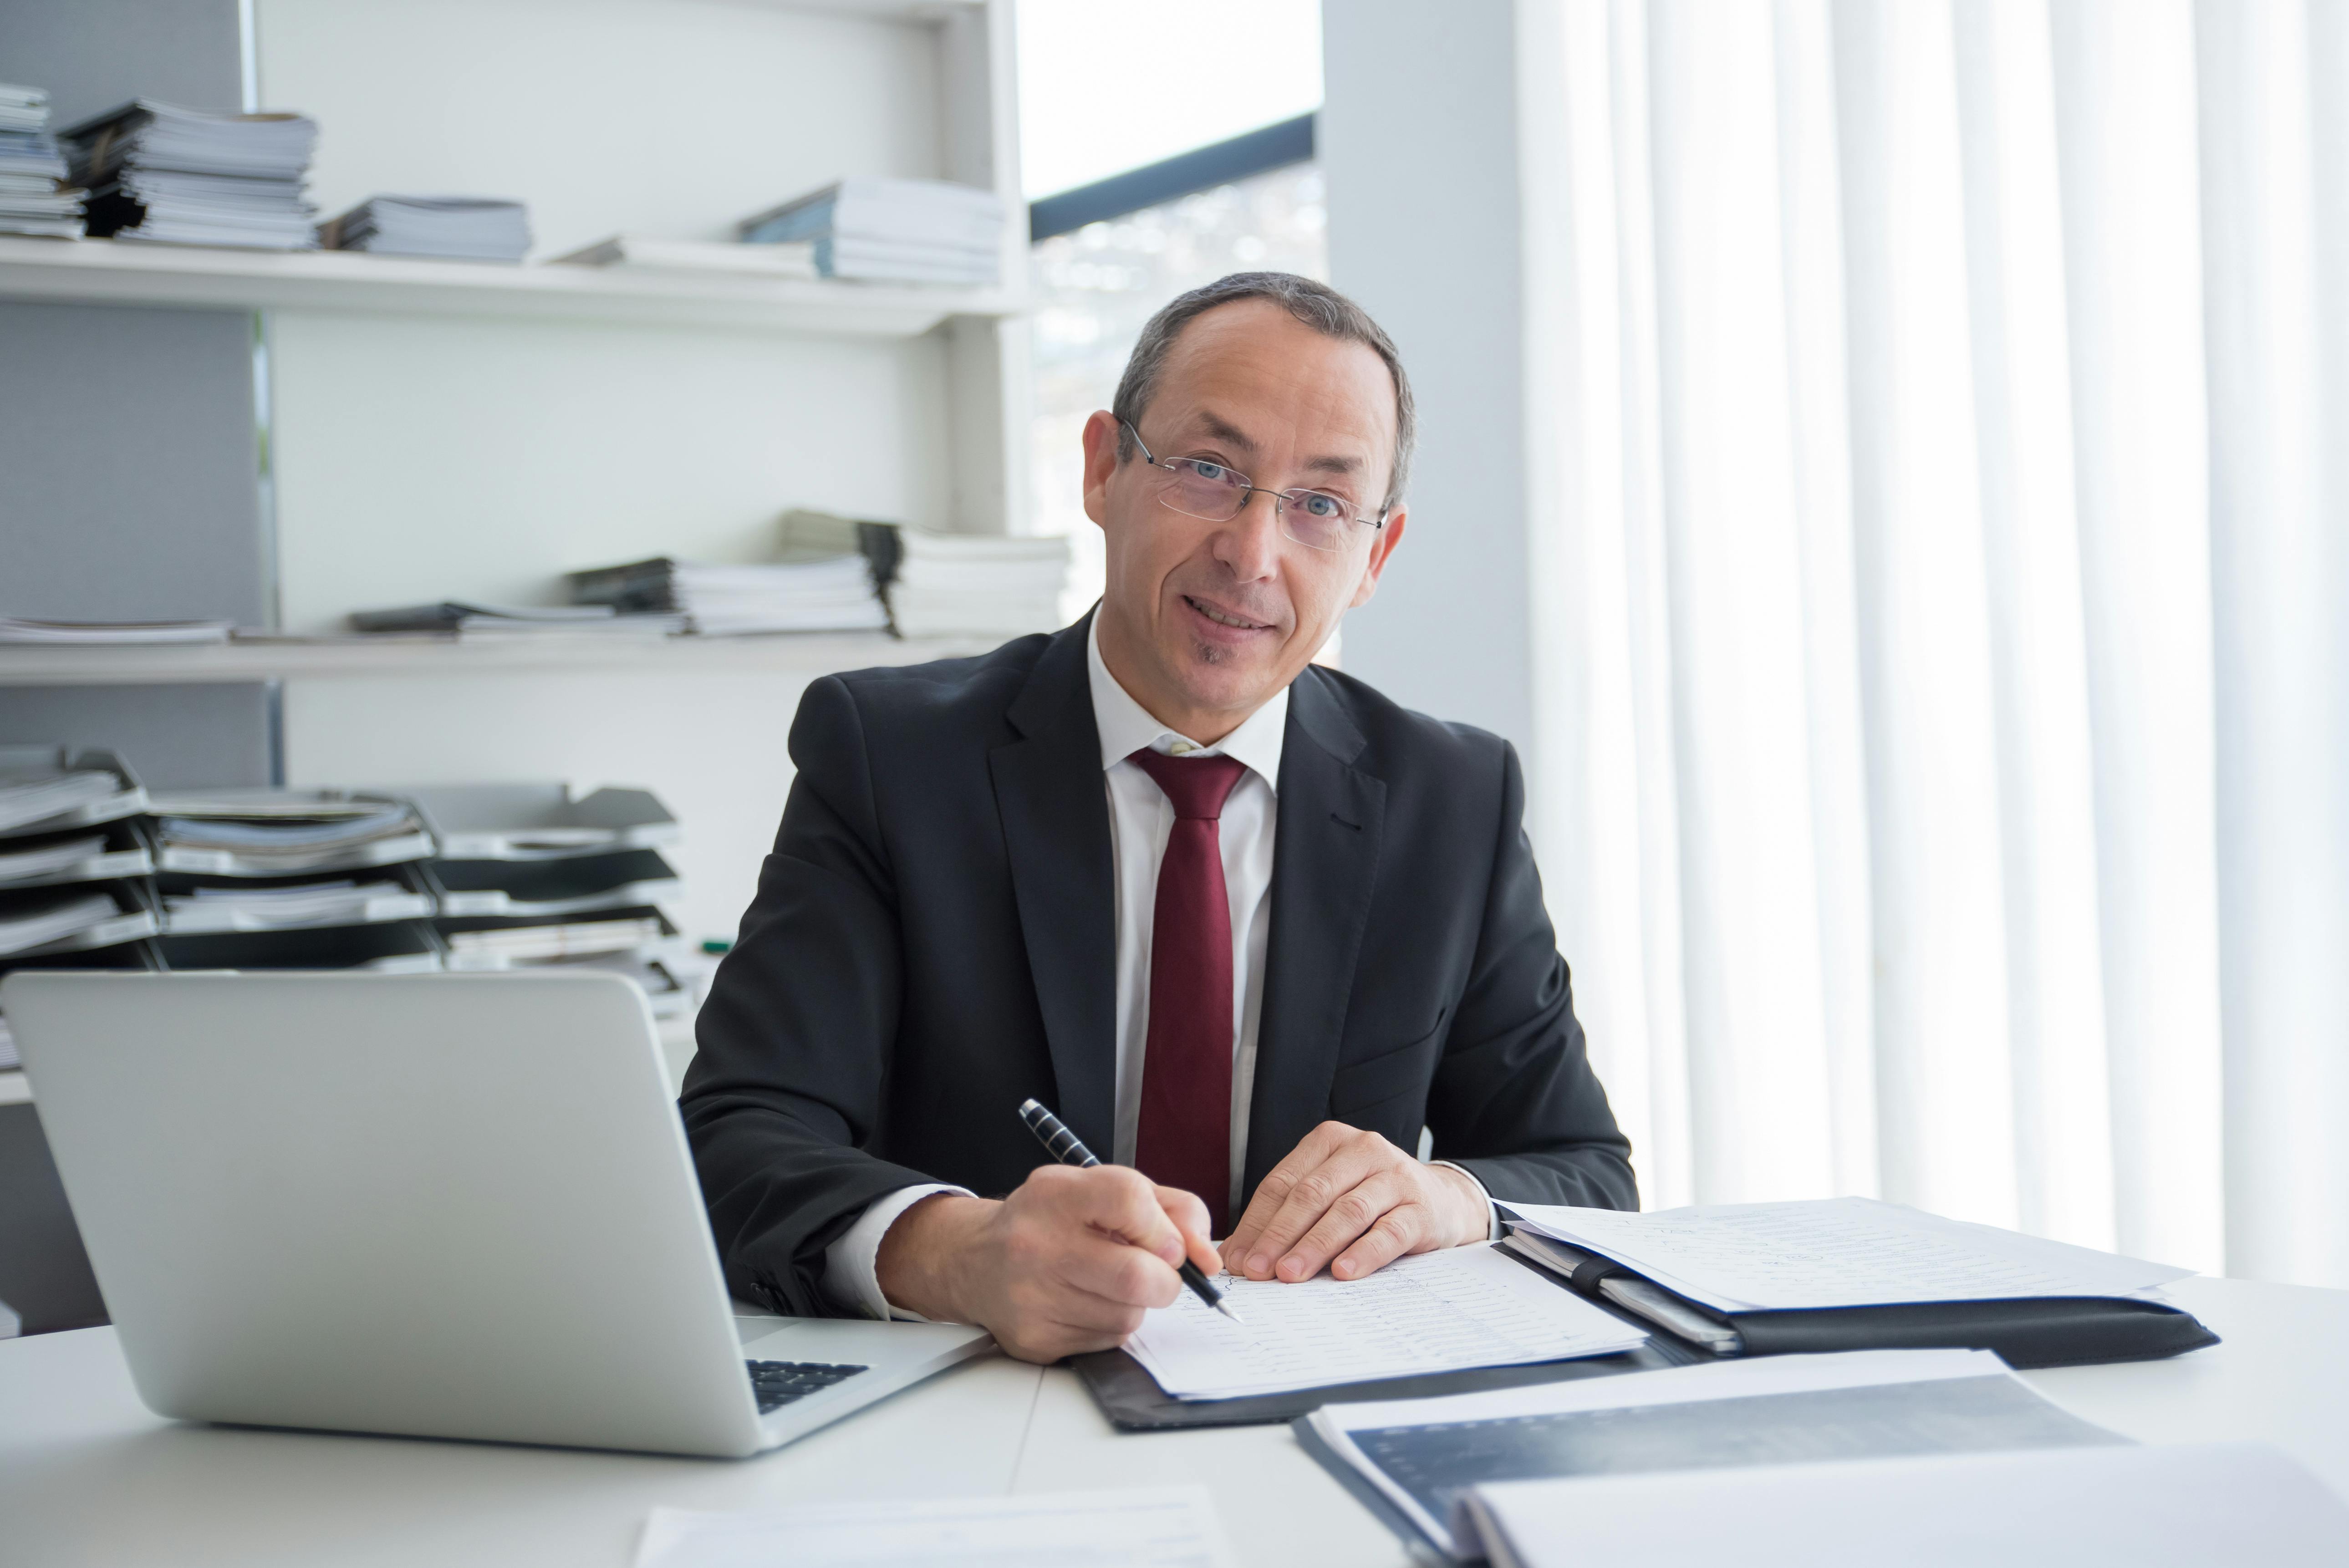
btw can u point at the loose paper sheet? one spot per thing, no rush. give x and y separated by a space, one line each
1161 1527
1839 1252
1437 1312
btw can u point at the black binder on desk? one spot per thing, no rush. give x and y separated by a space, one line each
2026 1332
1130 1397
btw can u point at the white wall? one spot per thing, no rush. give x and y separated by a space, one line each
1417 137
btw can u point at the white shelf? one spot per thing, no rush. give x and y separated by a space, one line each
103 272
17 1089
807 654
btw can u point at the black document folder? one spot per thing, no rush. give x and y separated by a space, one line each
2025 1332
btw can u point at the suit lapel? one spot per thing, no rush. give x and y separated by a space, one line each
1325 862
1055 816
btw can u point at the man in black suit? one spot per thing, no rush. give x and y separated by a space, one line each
1243 922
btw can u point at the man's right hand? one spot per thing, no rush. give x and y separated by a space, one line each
1067 1264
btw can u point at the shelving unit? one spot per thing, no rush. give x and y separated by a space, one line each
804 656
102 272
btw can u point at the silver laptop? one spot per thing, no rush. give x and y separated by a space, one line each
435 1205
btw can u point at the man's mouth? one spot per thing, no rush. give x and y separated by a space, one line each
1223 618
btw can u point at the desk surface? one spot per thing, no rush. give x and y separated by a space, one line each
87 1475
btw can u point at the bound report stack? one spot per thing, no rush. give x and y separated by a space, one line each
74 869
182 176
33 199
455 227
949 584
832 594
893 231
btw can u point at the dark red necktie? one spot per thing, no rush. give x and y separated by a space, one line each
1184 1138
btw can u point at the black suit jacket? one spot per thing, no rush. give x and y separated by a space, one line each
933 941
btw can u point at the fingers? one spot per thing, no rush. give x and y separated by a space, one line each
1189 1216
1125 1275
1382 1219
1310 1197
1274 1189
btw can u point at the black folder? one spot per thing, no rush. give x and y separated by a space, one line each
2026 1332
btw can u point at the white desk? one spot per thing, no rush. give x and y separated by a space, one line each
88 1476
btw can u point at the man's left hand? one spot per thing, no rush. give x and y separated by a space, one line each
1351 1200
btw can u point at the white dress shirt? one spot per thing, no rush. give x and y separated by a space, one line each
1140 820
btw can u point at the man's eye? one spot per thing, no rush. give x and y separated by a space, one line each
1215 473
1323 506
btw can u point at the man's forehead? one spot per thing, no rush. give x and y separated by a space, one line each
1238 365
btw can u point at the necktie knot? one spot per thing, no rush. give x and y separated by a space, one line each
1196 786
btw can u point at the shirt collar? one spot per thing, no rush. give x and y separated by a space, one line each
1126 726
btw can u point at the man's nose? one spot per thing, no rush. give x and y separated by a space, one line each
1250 543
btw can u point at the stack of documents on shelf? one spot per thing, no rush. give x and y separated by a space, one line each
1161 1527
259 833
827 595
50 859
471 622
33 198
893 231
182 176
540 821
16 629
641 252
457 228
1433 1312
2198 1505
1845 1273
496 946
1413 1460
284 905
574 884
29 799
966 584
33 920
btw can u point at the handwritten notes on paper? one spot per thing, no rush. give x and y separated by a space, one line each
1437 1312
1839 1252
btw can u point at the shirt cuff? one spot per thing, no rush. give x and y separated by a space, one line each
1492 1215
852 1265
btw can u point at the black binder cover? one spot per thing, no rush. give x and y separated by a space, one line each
1130 1397
2027 1331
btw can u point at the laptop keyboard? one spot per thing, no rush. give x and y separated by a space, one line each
778 1383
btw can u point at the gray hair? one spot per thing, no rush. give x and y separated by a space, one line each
1316 305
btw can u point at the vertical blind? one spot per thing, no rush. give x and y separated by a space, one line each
1940 420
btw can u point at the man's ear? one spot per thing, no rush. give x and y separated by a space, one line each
1100 462
1381 548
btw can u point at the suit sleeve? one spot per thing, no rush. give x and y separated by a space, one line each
1514 1100
795 1039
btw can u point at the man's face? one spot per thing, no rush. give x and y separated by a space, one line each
1202 621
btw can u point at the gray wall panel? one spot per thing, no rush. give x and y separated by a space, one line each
132 462
94 54
174 736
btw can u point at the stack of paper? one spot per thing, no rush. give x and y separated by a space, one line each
156 172
473 622
460 227
642 253
1436 1312
34 920
827 595
284 907
16 629
257 834
35 797
951 583
496 947
893 231
48 859
574 884
33 198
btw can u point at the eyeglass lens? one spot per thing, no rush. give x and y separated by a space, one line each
1211 492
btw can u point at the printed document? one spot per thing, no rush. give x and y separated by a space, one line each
1159 1527
2198 1505
1436 1312
1837 1252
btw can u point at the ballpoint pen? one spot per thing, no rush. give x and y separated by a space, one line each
1070 1150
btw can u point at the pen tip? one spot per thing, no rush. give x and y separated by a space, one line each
1227 1308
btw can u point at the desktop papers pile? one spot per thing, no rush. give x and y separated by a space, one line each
31 798
32 200
33 920
184 176
16 629
954 583
458 228
473 621
834 594
258 833
284 906
893 231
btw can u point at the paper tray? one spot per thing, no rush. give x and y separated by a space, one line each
540 821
